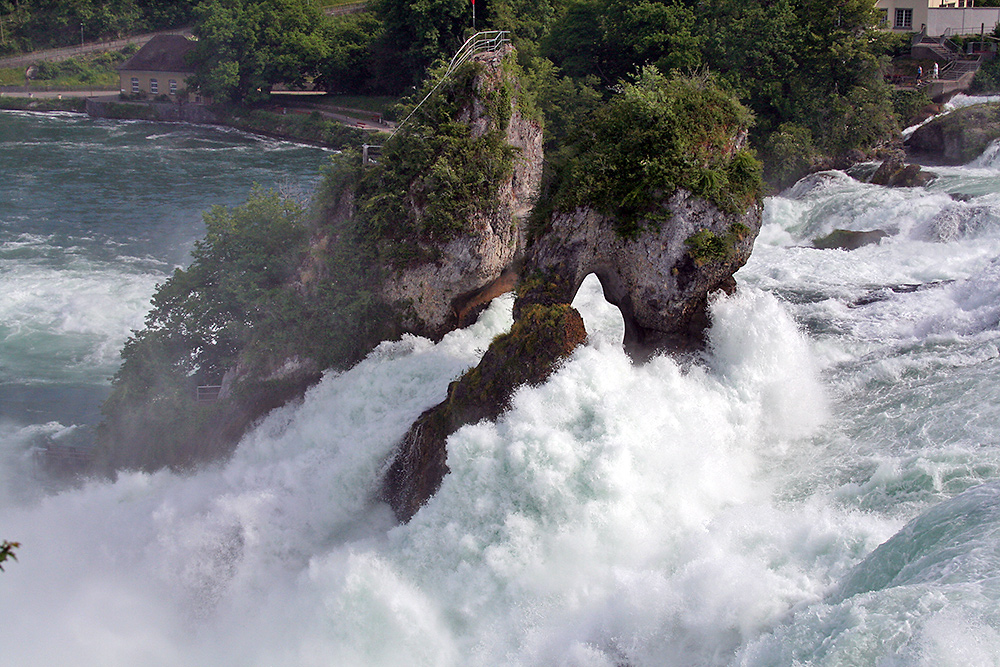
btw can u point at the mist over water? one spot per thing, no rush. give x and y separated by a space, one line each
726 513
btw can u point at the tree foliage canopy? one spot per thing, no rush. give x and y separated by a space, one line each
245 47
39 24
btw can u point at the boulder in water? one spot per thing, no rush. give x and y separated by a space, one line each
847 239
958 137
895 173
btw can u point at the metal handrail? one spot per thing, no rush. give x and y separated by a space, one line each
487 41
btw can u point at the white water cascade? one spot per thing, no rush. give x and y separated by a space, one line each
726 513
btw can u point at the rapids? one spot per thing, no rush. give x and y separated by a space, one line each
822 488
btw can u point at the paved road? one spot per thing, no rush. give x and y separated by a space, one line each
56 55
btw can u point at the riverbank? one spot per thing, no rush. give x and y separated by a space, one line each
304 125
43 104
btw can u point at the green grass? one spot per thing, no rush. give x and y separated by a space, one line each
371 103
85 73
101 82
11 76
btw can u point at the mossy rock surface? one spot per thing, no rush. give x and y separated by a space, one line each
960 137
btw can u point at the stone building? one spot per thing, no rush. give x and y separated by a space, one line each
158 68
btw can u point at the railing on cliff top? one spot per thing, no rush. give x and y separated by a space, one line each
488 41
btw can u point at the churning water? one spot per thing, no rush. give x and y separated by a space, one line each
823 489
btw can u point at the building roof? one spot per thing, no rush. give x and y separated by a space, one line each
163 53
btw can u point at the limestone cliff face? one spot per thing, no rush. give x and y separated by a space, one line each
660 280
436 295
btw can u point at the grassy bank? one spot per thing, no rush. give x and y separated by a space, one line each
76 104
95 71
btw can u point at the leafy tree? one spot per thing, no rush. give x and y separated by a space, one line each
347 68
576 43
642 33
665 133
416 33
7 551
35 24
527 20
245 47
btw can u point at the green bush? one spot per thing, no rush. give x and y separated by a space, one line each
434 174
987 79
908 103
788 155
655 136
95 70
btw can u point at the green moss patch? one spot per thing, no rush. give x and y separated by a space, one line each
706 247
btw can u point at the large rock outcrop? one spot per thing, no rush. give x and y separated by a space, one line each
658 256
540 338
659 280
958 137
442 290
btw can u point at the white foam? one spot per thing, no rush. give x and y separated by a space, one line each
55 319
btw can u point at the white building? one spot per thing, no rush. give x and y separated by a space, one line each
937 17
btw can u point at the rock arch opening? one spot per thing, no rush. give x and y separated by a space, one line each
604 321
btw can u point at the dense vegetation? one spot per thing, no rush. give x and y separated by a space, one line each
250 297
246 46
93 70
38 24
665 134
810 71
435 175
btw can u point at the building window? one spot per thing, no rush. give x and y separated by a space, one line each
173 87
154 87
904 18
135 85
883 18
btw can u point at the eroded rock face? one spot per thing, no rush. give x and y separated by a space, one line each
661 280
433 296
